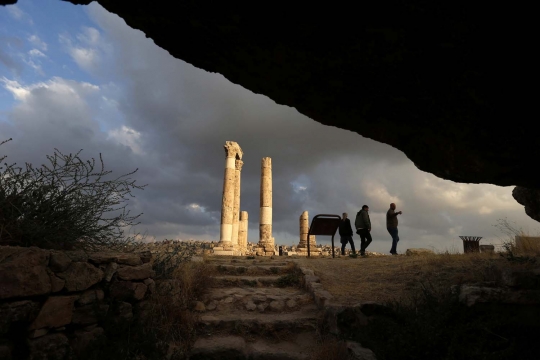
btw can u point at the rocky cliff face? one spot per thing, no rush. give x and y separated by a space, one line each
430 79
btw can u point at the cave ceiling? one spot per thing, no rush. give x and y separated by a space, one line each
428 78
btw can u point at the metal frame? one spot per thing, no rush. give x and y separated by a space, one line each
310 227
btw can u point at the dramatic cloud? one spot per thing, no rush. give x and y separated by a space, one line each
144 109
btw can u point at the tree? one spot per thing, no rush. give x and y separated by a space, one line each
67 204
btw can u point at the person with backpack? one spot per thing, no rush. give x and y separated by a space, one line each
346 234
363 228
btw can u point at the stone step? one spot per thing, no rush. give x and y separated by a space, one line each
223 260
243 281
253 269
257 323
298 347
260 299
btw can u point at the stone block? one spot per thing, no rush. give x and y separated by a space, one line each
129 259
77 255
146 256
56 312
90 296
135 272
57 284
49 347
419 252
127 291
59 261
102 257
80 276
23 311
90 314
85 338
23 272
109 271
223 252
37 333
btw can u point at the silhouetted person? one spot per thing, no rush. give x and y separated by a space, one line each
363 228
391 226
346 233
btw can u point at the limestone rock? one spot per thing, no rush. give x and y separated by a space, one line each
129 259
261 307
199 306
89 296
80 276
145 256
151 284
90 314
258 298
277 305
419 251
56 312
23 272
357 352
212 305
77 255
24 311
57 284
102 257
251 306
530 198
82 339
37 333
59 261
49 347
127 291
135 272
226 347
110 270
291 304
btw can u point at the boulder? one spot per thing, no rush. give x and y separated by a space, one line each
80 276
59 261
419 251
146 256
56 312
90 314
89 296
102 257
277 305
57 284
85 338
49 347
199 306
110 270
151 284
24 311
127 291
135 272
23 272
358 352
129 259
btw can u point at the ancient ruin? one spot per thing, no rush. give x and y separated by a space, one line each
302 245
233 153
266 241
236 204
243 232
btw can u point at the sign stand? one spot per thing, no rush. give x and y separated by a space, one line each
323 224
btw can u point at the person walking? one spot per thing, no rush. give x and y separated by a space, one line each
363 228
346 234
391 226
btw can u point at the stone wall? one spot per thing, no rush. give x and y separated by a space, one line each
56 304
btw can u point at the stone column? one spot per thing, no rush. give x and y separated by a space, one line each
243 231
304 228
236 204
232 152
266 241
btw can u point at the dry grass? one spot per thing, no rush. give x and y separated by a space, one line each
170 317
525 245
389 278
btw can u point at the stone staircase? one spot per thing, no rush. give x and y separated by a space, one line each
256 310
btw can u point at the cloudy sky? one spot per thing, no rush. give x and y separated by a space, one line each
77 77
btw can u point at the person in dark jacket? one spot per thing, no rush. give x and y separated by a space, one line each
346 234
363 228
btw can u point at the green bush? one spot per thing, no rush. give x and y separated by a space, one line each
66 204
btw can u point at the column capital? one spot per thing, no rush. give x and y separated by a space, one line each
238 164
232 149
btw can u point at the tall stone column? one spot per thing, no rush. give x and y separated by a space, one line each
266 241
304 228
243 231
232 153
236 204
